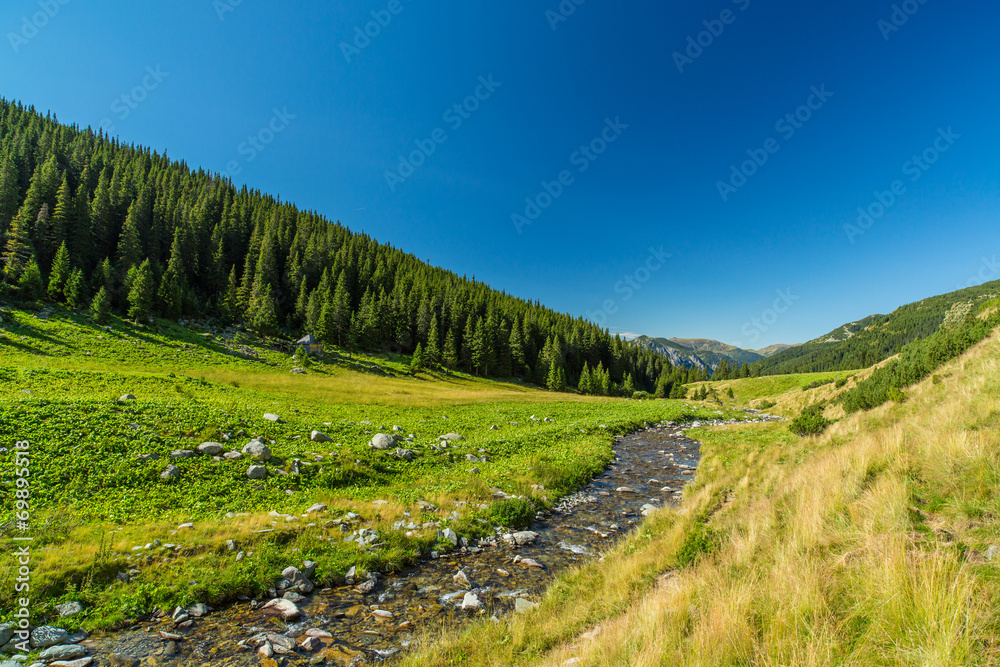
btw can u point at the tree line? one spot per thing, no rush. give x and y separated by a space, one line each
95 224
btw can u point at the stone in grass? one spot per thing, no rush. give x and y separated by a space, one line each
182 454
522 606
319 436
258 449
69 608
230 456
405 454
272 417
171 472
316 509
257 472
450 437
297 580
126 397
45 636
471 602
382 441
449 535
210 449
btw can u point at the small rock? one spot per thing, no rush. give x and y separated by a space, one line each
197 610
286 609
382 613
257 472
316 509
63 652
170 472
68 609
625 489
182 454
231 456
46 636
531 563
83 662
450 535
126 397
311 644
316 632
272 417
450 437
522 606
319 436
382 441
462 579
524 537
992 552
210 449
405 454
148 457
471 602
258 450
297 580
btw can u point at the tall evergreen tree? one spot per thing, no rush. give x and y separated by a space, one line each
61 269
142 287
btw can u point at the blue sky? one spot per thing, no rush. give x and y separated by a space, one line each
638 235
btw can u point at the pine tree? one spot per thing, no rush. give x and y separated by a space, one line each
61 270
628 386
341 310
584 385
517 358
417 361
100 307
433 353
76 290
141 290
9 192
18 250
478 350
450 355
30 285
263 313
61 223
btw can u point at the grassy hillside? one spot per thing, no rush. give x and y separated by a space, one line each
868 545
876 338
93 499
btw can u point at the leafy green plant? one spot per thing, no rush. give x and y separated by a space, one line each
512 513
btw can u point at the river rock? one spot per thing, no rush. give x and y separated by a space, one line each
257 472
522 606
63 652
449 535
211 449
462 579
297 580
45 636
316 632
258 449
197 610
522 538
319 436
82 662
170 472
6 632
382 441
625 489
382 613
285 608
647 509
531 563
311 644
366 587
471 602
232 456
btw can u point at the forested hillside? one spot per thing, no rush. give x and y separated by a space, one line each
98 225
876 338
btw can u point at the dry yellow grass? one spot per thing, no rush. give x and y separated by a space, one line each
860 547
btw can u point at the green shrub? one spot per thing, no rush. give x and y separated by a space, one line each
511 513
700 542
810 422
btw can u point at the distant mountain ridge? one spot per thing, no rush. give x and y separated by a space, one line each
875 338
704 353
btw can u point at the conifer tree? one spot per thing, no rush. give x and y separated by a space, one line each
628 386
9 192
584 385
417 361
450 355
19 249
100 307
30 285
433 353
60 224
140 293
75 292
61 269
478 349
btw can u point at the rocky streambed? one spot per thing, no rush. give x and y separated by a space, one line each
379 617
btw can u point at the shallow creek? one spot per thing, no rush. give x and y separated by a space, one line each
651 467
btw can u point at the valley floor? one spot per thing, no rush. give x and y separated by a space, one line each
869 545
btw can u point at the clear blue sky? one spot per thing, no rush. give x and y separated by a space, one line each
224 67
